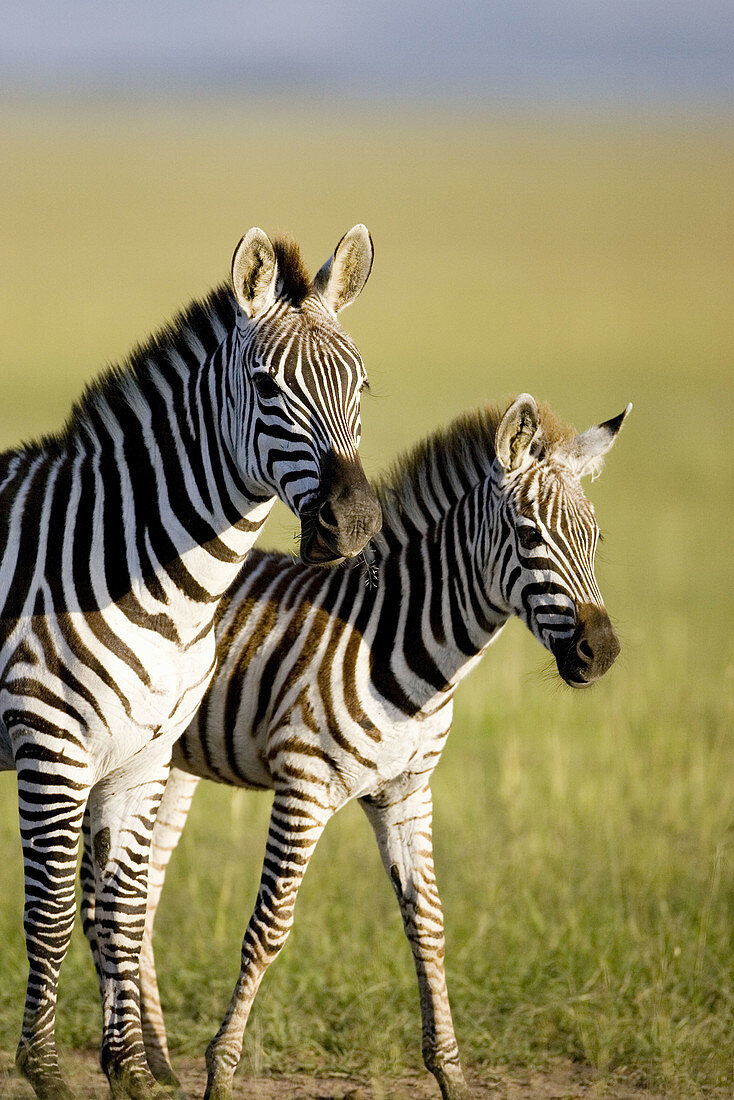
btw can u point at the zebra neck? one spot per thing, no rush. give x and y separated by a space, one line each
438 612
166 515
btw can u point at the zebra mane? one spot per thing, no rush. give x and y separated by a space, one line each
196 331
442 468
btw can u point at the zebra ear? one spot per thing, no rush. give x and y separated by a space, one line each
344 274
254 271
585 453
516 431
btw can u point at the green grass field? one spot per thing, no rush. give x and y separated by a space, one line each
584 842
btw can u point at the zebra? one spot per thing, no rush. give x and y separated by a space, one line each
335 686
119 536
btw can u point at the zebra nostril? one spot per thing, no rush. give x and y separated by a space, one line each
327 517
584 650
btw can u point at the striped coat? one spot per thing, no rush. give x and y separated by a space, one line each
118 538
338 686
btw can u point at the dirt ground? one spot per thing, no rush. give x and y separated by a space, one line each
563 1081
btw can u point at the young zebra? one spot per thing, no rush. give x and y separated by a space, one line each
330 688
119 537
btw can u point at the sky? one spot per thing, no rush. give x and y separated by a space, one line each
626 51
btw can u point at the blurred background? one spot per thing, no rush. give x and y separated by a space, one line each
549 189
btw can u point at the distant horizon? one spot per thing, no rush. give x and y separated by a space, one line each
157 104
604 53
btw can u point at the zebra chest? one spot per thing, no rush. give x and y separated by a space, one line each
410 745
114 689
399 752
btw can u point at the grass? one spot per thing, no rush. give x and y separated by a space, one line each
583 842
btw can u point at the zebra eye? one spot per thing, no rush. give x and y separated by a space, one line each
530 538
266 385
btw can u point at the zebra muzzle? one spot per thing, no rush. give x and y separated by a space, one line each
591 650
347 514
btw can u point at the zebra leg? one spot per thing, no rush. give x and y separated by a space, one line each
401 816
169 824
50 813
86 909
122 810
154 1033
296 823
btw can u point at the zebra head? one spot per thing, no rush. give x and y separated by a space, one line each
296 390
548 569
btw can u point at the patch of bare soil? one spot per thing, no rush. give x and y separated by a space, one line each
562 1081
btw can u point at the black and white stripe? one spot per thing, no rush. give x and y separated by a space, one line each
339 686
118 538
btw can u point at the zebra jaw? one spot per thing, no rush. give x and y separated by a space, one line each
315 550
318 551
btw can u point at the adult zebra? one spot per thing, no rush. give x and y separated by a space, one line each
330 689
119 536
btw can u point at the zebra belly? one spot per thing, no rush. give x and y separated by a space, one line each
243 767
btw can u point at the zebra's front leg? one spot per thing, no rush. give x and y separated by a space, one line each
51 807
122 810
296 823
401 816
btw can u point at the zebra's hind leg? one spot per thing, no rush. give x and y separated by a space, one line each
296 823
50 812
401 816
169 824
86 911
154 1034
122 812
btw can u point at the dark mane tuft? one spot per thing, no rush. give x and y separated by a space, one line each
453 458
442 468
294 281
198 329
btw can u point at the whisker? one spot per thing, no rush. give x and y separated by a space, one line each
366 560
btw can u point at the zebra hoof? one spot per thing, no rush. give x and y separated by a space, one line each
42 1073
166 1078
453 1089
217 1090
456 1089
219 1073
451 1081
172 1089
134 1083
171 1092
